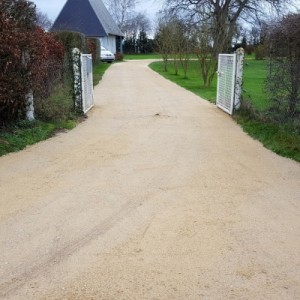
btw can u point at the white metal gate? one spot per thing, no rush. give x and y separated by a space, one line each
226 82
87 82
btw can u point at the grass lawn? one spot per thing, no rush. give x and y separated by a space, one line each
255 74
193 82
254 79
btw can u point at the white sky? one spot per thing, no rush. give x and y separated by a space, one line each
53 7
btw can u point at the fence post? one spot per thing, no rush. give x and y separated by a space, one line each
239 77
77 86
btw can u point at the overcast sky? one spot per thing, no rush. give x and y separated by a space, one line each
53 7
150 7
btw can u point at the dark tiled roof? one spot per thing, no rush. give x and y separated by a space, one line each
89 17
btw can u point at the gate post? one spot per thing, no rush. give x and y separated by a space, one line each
29 106
239 78
77 86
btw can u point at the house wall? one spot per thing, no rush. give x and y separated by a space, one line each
109 42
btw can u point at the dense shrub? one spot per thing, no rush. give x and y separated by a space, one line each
49 75
260 52
17 36
47 63
93 46
119 56
72 40
284 79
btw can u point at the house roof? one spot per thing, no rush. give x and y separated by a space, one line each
89 17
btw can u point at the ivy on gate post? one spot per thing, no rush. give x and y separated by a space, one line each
29 96
239 78
77 88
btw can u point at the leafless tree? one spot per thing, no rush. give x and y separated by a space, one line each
173 41
121 10
43 21
164 41
138 25
221 16
138 22
202 39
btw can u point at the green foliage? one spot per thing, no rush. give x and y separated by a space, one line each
57 107
144 44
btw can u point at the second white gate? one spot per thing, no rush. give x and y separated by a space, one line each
226 82
87 82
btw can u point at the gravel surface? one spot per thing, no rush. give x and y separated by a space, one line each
157 195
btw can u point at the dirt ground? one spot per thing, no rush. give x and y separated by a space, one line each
157 195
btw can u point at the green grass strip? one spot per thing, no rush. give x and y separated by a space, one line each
282 140
16 137
98 72
142 56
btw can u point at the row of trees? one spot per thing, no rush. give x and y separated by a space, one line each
221 17
206 28
177 41
136 26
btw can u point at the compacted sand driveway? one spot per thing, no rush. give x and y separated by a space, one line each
157 195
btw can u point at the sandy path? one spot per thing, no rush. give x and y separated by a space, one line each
158 195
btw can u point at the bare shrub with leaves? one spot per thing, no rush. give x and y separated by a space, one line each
283 82
174 43
202 40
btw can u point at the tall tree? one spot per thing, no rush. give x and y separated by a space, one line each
121 10
221 15
132 29
43 21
